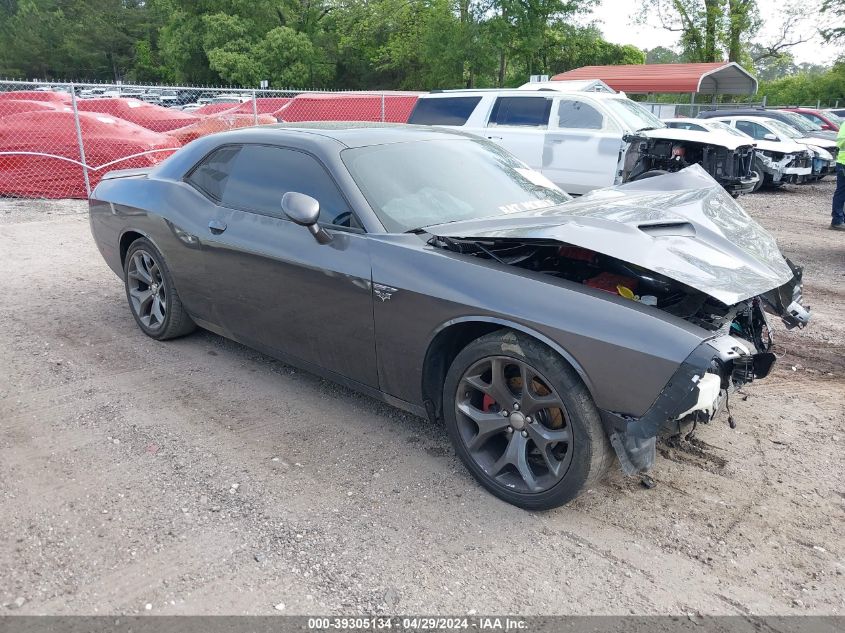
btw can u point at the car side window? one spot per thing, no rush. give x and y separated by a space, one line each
211 175
262 174
573 114
755 130
815 119
443 111
521 111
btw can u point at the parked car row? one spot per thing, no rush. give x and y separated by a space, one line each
583 141
579 140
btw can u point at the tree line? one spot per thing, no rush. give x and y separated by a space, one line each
395 44
356 44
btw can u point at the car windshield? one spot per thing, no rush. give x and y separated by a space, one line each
724 127
633 115
784 129
423 183
802 123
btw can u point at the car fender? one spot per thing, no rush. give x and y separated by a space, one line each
519 327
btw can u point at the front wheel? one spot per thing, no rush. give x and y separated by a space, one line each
152 297
522 421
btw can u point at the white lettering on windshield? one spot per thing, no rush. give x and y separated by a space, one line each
528 205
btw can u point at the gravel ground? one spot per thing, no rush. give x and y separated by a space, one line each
182 477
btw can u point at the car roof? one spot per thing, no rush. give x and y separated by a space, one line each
360 133
515 92
326 139
757 112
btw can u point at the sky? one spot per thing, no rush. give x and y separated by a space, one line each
616 18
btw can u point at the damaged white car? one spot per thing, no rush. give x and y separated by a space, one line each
776 161
820 157
587 140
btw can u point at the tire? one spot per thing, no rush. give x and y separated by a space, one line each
152 297
758 167
552 452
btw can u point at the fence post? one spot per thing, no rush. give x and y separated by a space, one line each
254 109
764 100
79 140
382 107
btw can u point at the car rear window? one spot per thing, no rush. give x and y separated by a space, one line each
521 111
211 174
443 111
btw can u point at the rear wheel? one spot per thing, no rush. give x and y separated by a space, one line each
152 297
522 421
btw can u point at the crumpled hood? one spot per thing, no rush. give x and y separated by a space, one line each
682 225
711 137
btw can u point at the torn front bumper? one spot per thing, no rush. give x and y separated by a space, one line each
738 186
700 386
822 167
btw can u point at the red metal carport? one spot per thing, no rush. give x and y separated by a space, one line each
702 78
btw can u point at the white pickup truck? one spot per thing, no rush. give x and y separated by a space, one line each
587 140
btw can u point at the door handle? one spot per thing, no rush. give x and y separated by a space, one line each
495 138
216 226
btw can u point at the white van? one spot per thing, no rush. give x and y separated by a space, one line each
587 140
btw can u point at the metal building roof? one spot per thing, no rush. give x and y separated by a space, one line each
702 78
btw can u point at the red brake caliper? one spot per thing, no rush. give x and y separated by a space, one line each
487 403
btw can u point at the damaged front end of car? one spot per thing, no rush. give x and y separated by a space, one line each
779 167
731 167
700 389
676 243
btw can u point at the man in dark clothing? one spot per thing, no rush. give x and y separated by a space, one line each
837 222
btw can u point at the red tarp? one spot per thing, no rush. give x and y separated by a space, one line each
37 95
141 113
105 138
264 105
218 123
14 106
215 108
349 107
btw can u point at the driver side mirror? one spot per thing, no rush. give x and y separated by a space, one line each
770 137
304 210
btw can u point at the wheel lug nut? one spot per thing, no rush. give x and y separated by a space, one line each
516 406
525 434
510 429
528 419
505 413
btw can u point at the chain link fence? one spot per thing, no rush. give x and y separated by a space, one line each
691 110
58 139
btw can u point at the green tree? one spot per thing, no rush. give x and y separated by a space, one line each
661 55
833 12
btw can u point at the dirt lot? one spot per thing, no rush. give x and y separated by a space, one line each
181 477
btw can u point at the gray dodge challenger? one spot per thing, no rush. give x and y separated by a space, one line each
433 270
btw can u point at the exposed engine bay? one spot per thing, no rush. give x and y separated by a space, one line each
731 168
739 352
675 243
